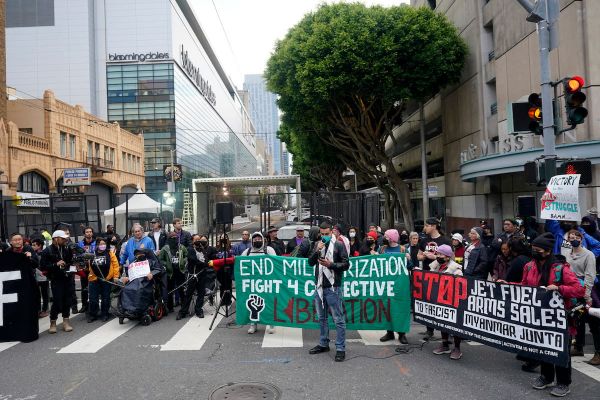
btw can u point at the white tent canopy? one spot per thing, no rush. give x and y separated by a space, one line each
139 203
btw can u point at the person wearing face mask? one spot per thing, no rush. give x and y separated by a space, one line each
590 227
355 243
545 270
223 264
444 263
403 238
173 256
103 269
259 249
197 257
560 231
391 237
370 246
583 265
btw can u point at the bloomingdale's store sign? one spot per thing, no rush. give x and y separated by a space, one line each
140 57
194 74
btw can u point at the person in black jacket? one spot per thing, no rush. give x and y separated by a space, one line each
330 260
185 238
274 242
298 246
198 256
158 235
476 256
56 261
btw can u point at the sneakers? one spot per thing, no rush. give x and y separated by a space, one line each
595 360
270 329
387 337
320 349
340 356
560 390
443 349
200 314
540 383
456 354
427 335
105 318
530 366
252 329
181 316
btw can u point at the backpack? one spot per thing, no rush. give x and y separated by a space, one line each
247 251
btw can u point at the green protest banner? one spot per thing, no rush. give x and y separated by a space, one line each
280 291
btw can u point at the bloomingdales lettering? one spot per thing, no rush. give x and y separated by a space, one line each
141 57
196 77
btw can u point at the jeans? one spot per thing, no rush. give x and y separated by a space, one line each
99 290
61 295
332 297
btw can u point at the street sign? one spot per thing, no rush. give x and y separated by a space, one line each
32 200
77 177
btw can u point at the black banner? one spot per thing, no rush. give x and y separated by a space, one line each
18 299
527 320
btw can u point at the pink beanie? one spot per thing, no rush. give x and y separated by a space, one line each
392 235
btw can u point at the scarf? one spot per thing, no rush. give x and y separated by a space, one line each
326 253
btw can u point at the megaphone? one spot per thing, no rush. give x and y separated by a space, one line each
594 312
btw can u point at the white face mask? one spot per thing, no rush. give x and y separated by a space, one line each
352 234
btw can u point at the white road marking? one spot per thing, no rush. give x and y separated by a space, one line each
43 324
98 338
371 338
579 364
283 337
472 343
192 335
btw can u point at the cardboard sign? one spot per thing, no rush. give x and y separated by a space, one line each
138 269
561 199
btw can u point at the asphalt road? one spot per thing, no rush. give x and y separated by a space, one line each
184 360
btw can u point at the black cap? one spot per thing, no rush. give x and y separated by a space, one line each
272 229
154 220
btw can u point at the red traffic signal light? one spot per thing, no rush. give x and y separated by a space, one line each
535 113
582 167
574 99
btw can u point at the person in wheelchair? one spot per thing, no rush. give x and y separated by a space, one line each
199 273
141 297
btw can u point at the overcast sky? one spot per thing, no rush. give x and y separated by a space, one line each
252 27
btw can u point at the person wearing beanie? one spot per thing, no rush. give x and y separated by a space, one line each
391 238
458 247
544 271
373 227
444 263
476 256
370 247
560 230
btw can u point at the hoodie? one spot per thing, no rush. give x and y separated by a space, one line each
260 251
592 229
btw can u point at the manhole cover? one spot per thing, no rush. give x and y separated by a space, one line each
246 391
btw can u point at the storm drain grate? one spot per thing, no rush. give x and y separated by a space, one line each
246 391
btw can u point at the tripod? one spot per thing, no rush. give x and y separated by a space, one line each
227 294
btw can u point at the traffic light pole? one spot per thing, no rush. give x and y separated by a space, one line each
541 14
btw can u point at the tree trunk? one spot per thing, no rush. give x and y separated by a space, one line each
402 194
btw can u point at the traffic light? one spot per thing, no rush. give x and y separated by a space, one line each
574 99
583 167
535 113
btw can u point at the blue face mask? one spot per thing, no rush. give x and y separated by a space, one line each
325 239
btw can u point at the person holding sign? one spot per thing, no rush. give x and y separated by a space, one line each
330 260
259 249
444 263
390 240
56 260
545 271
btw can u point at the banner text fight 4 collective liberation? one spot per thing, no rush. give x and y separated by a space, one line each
280 291
521 319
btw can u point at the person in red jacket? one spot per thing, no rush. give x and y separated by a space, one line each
545 270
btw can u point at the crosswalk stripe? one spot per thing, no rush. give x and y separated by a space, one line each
98 338
43 325
192 335
283 337
579 364
371 338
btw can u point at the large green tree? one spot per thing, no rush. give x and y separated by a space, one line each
345 73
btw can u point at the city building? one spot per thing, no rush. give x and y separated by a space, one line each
43 138
475 159
144 64
265 115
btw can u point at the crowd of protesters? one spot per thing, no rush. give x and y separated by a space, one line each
523 253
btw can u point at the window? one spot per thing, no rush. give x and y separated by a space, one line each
90 151
28 131
106 153
97 153
123 162
27 13
63 144
32 182
112 155
72 146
